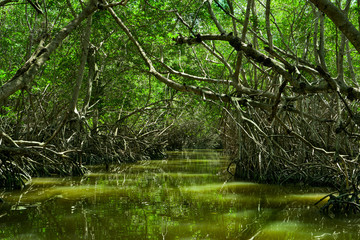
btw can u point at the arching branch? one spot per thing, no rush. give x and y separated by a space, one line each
2 3
338 17
36 6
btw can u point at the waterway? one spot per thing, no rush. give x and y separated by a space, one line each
187 196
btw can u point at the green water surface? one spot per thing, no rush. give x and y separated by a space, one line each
187 196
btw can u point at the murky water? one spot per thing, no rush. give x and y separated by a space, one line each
185 197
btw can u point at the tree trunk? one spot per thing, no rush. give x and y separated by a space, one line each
26 74
80 76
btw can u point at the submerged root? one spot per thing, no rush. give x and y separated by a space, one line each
343 204
17 170
20 160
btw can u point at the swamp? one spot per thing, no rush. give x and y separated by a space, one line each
192 119
187 196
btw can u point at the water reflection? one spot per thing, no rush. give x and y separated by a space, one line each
186 196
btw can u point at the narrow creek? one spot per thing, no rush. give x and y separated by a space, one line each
186 196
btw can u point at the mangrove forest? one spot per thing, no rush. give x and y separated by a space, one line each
146 119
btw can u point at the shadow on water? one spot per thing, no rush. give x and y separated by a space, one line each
186 196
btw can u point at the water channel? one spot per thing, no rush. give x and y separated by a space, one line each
186 196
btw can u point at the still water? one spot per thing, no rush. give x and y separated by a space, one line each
187 196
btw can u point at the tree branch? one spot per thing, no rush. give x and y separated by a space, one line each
26 74
340 20
2 3
35 6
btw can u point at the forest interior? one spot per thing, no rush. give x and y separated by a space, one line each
275 85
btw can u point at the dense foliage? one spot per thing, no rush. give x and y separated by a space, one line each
274 84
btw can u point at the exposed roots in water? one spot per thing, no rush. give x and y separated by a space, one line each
296 148
20 160
342 204
63 149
